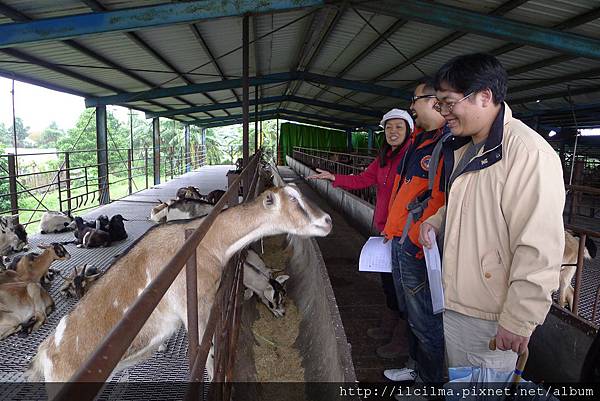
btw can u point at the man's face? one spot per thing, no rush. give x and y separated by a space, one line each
462 112
422 108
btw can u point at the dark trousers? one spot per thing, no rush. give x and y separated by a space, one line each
426 334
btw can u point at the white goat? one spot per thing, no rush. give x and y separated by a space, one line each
259 280
9 239
180 209
566 292
55 222
276 211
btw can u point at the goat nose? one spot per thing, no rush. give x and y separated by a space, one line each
328 220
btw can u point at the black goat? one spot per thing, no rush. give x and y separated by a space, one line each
116 228
88 237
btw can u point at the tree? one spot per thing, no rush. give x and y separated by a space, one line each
50 136
4 188
5 137
22 132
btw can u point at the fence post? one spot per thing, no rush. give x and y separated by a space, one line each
60 170
12 184
172 155
129 157
156 149
146 165
68 180
102 149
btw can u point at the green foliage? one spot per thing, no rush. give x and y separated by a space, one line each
50 136
5 200
6 134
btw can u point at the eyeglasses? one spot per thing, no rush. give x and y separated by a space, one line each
415 98
448 107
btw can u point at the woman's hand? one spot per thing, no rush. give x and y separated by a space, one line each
323 175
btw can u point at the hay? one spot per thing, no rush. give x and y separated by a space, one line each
276 358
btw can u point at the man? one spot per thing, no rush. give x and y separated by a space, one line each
502 223
412 202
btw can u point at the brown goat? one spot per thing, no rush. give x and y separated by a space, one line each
276 211
34 267
23 306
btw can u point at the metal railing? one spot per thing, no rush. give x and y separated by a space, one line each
338 163
582 201
223 323
72 182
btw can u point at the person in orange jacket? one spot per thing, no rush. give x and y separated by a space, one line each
413 200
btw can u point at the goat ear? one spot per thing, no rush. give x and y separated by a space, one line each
270 294
271 200
282 279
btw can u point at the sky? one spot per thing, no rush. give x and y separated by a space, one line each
38 106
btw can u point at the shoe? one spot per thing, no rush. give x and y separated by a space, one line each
380 333
400 375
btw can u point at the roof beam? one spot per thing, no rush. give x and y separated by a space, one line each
276 112
497 27
43 84
554 95
557 80
209 53
131 19
500 10
126 97
99 7
268 100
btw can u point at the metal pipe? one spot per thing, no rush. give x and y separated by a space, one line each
102 154
245 95
156 149
68 181
192 303
256 118
579 273
12 184
14 117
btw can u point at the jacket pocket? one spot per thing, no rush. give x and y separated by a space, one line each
494 274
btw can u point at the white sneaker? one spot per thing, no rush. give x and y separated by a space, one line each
400 375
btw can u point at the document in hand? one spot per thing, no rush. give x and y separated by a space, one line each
376 256
434 273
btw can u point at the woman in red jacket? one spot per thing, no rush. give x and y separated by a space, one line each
398 126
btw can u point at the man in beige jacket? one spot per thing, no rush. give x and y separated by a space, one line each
502 224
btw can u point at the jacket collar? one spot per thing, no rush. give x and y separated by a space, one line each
492 150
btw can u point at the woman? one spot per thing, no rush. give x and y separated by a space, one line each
398 126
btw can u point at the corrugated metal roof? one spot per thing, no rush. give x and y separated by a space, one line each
280 51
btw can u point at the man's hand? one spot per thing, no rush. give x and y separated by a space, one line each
323 175
506 340
424 234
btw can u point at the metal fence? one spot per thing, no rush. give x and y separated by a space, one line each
75 181
338 163
223 323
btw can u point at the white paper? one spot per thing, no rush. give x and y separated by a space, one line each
434 273
376 256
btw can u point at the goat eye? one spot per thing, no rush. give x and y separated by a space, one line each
293 199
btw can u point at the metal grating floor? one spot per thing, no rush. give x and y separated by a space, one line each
168 366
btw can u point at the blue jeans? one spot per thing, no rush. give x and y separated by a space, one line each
426 334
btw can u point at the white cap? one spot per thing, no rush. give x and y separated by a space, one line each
397 113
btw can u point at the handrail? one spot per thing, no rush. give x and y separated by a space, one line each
107 355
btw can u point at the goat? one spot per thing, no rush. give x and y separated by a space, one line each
55 222
190 192
116 228
88 237
258 279
214 196
276 211
21 233
24 306
180 209
101 223
9 240
566 291
79 281
34 267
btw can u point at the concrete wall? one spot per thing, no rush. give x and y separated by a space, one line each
358 211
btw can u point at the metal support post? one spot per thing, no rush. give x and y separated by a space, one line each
68 180
156 149
371 140
129 162
245 97
349 140
102 150
12 184
255 118
186 144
